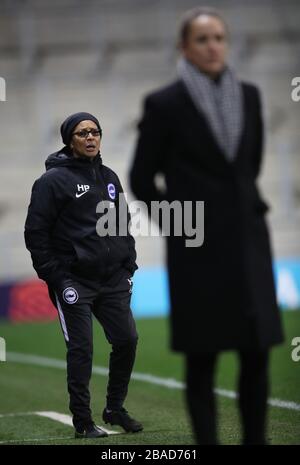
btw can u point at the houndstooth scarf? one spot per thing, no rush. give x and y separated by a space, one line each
221 103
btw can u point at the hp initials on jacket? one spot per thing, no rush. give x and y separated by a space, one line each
82 189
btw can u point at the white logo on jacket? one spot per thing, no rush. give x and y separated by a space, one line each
70 295
111 191
82 189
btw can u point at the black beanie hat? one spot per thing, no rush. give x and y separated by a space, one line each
69 124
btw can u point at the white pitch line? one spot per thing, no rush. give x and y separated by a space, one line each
19 414
170 383
60 417
67 420
13 441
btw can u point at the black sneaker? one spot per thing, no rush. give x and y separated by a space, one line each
91 432
121 418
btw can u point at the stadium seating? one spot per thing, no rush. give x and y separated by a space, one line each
59 57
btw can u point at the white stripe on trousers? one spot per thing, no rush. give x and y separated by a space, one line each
62 319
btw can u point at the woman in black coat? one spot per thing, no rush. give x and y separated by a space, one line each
204 134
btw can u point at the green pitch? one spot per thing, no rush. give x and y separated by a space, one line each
27 387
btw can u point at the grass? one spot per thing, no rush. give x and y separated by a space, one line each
29 388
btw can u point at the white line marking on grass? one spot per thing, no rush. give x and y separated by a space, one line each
67 419
19 414
61 417
170 383
13 441
290 405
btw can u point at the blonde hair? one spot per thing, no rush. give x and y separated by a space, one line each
189 16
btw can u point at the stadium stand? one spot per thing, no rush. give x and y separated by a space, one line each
59 57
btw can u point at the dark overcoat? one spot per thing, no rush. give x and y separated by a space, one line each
222 293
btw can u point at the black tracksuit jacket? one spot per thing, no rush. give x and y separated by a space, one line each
60 229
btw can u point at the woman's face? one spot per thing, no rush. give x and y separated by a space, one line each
86 139
206 44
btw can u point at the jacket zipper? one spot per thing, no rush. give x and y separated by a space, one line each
97 178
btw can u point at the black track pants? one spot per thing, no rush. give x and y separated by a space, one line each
76 302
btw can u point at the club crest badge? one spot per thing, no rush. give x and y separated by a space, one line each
70 295
111 191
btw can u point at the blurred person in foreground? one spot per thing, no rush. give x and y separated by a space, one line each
87 274
204 133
